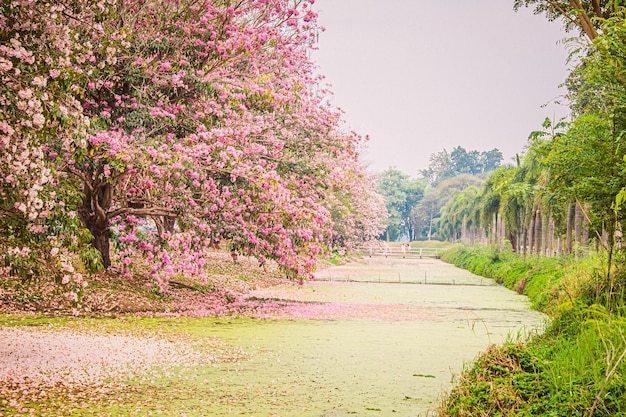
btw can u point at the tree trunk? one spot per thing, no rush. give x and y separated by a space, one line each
545 226
551 226
502 232
585 21
513 239
101 241
570 228
585 236
538 231
531 231
409 229
93 214
164 224
430 224
577 228
464 229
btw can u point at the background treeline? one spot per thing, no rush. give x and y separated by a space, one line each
414 205
564 196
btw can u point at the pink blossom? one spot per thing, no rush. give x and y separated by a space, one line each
218 120
38 119
25 94
6 128
5 65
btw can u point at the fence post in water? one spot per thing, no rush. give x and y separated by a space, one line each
424 277
420 253
379 277
398 277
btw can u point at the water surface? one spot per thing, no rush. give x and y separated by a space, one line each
385 349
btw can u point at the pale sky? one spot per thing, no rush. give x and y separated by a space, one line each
419 76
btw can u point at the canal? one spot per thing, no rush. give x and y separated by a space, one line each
382 337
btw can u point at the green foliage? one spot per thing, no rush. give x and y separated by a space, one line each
577 375
401 195
460 216
587 162
444 165
575 368
538 278
425 215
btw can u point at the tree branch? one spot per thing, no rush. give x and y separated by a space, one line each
151 211
596 8
557 6
95 204
585 22
81 176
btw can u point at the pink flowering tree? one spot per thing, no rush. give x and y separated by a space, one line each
38 104
178 121
358 211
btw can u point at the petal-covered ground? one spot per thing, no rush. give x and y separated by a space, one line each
319 300
343 347
77 358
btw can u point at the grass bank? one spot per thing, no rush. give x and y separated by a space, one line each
576 368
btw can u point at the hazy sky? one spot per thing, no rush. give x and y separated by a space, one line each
419 76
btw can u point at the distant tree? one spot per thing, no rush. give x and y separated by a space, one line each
359 213
444 165
490 160
401 194
492 202
424 215
463 162
439 168
460 216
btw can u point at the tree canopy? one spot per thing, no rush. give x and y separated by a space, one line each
444 165
585 16
569 187
401 194
154 127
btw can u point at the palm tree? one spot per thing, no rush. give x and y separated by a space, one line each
491 204
460 216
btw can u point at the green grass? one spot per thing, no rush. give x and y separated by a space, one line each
576 368
539 278
435 244
557 374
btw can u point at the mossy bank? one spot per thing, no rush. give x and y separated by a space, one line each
576 368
